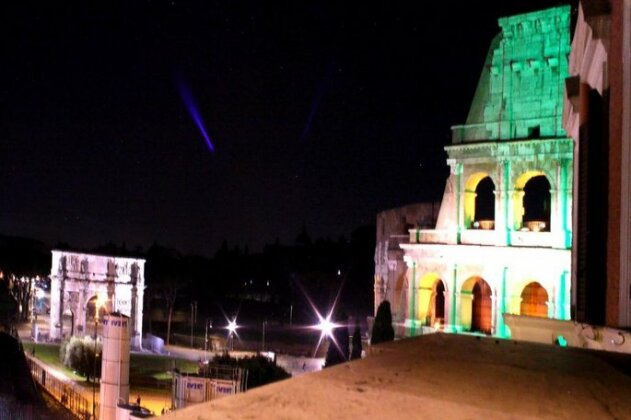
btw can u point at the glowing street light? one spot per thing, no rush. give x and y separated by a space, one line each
232 326
325 326
232 331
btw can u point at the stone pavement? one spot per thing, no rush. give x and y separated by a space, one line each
444 376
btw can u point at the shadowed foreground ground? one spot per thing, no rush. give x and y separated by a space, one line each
20 398
444 376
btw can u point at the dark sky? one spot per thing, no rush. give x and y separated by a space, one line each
321 113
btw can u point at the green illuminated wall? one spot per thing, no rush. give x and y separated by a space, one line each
520 92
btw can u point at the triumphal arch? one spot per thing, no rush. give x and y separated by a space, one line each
86 286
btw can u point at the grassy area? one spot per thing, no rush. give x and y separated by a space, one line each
151 371
148 371
49 354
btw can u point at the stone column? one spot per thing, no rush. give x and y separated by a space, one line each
446 317
83 301
460 214
501 304
504 204
494 314
139 309
563 297
412 299
454 301
56 307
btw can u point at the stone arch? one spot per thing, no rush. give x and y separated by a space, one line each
400 298
424 298
439 303
534 300
68 316
476 305
91 304
532 201
470 194
484 213
429 286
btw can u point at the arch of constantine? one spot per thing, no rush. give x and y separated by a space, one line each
82 284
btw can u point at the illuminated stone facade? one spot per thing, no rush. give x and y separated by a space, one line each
502 241
78 280
390 269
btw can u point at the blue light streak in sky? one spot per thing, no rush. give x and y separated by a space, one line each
315 104
191 107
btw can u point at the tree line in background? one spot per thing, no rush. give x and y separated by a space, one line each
278 284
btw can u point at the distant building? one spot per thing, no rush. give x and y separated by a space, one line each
82 284
503 235
390 270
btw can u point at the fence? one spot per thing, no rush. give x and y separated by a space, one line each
66 392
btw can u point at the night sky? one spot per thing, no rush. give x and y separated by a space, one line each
320 113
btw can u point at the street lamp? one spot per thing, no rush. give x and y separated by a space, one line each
326 327
232 330
193 318
263 344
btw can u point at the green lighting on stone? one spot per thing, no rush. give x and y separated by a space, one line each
520 92
412 314
502 326
562 341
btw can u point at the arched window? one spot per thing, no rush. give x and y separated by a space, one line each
90 310
439 301
534 300
481 308
537 204
485 204
476 305
479 201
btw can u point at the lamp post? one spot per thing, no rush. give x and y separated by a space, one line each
193 318
96 322
97 304
263 344
232 328
209 323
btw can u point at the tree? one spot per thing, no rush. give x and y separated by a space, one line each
8 308
164 273
79 354
356 352
382 330
260 369
21 290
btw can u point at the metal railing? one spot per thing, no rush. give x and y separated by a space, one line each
64 391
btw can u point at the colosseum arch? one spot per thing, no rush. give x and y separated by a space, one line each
476 305
479 200
532 201
431 299
534 300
